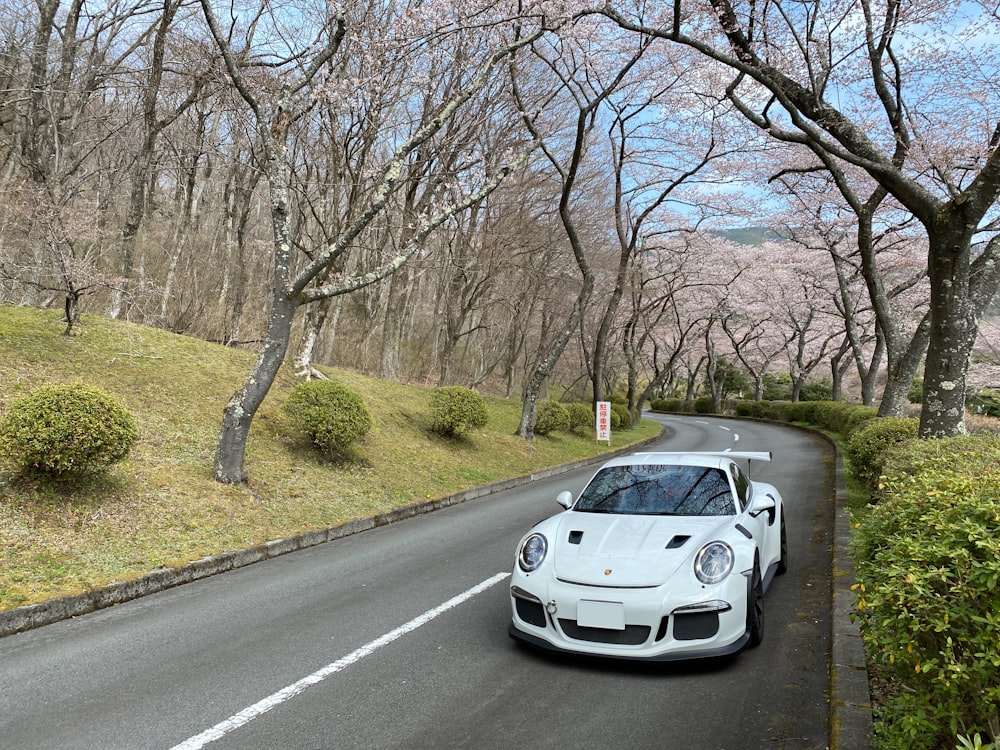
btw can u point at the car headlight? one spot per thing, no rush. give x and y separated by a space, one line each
532 552
714 562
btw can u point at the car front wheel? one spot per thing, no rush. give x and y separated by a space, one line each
783 560
755 606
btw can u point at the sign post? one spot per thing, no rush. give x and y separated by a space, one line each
604 421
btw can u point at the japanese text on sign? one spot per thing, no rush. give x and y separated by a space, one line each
604 421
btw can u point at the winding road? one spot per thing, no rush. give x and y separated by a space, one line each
397 638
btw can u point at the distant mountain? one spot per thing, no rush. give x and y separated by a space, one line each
747 235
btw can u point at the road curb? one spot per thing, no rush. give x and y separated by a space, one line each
851 726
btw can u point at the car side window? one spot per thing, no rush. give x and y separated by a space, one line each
742 485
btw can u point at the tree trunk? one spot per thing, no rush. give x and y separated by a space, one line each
243 405
526 428
953 326
397 310
895 395
230 453
316 316
961 290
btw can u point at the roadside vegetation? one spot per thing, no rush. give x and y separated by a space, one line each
926 550
66 532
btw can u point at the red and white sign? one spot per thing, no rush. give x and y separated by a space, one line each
604 421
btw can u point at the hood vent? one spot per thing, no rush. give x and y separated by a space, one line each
677 541
575 537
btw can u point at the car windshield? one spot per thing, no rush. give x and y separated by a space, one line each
658 491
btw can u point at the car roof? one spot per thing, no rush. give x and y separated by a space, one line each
708 459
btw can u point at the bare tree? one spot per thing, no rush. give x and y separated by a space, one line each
68 113
587 82
275 111
153 124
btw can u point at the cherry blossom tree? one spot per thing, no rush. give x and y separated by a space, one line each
868 219
681 280
665 136
872 86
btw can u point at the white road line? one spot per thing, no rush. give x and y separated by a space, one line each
247 715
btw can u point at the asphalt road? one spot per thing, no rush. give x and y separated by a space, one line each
396 638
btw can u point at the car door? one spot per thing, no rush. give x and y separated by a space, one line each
759 523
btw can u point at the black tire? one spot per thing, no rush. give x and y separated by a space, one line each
755 606
783 560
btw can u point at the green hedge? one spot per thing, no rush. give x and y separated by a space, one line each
928 569
828 413
870 444
927 557
704 405
668 405
753 409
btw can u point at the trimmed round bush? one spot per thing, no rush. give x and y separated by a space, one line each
551 416
866 448
67 429
331 414
455 410
581 416
621 417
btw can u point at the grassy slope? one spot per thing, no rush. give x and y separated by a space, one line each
162 507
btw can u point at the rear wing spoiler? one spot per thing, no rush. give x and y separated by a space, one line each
740 455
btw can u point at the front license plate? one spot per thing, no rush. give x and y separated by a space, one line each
607 615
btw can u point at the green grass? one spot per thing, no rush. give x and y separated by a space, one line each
161 507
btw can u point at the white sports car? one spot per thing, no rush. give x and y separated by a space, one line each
663 556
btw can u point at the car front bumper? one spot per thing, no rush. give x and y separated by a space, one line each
654 624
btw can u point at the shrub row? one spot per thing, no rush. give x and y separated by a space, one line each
927 554
927 557
928 566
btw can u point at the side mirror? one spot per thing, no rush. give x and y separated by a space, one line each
764 504
565 499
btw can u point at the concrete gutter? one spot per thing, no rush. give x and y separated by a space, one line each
850 702
851 725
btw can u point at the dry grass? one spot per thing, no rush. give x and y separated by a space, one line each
161 507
